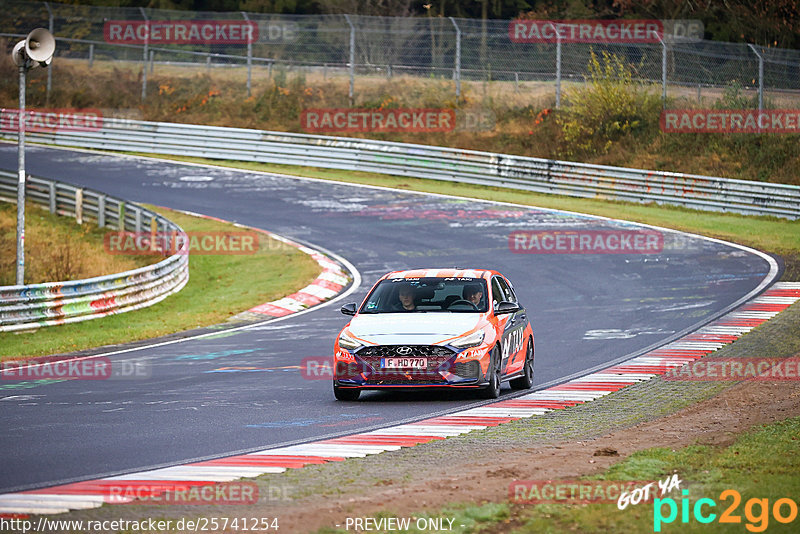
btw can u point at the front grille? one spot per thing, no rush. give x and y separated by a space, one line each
441 354
435 355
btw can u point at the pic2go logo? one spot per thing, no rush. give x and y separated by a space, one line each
756 511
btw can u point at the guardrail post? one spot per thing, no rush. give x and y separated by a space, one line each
52 197
101 211
352 58
153 232
121 216
138 228
144 53
152 60
91 55
249 60
50 70
457 73
79 206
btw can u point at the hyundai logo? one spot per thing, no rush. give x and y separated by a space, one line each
403 351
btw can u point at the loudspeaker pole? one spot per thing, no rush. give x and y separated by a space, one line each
35 50
21 185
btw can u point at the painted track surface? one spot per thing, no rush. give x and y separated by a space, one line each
587 310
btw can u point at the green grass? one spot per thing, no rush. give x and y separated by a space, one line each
219 286
769 234
761 464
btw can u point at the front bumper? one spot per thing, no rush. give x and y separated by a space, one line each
442 368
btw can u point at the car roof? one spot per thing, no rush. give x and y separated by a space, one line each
442 273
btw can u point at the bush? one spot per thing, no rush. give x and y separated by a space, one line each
608 108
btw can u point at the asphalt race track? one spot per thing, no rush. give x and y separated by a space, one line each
586 310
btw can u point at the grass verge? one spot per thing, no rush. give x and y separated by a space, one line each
219 286
769 234
56 248
761 467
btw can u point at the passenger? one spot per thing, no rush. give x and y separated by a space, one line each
474 294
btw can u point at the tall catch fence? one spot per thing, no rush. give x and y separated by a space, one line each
364 46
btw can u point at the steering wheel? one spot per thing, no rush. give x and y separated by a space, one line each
462 301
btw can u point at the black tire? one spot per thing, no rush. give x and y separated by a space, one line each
526 380
345 394
492 390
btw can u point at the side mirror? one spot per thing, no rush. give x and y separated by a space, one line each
506 307
349 309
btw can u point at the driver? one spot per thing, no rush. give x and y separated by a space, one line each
474 294
406 296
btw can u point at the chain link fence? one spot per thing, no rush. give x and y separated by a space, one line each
429 47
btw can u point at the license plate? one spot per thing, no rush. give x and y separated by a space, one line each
404 363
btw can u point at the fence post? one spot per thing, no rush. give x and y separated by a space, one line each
49 71
458 58
352 57
152 60
249 60
558 65
663 73
760 78
91 55
144 53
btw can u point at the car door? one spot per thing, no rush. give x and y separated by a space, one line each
513 325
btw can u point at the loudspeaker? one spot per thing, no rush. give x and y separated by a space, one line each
18 54
40 45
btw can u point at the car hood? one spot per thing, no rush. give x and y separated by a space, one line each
412 328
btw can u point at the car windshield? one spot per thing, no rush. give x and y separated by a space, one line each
409 295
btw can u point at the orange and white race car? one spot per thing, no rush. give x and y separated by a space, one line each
455 328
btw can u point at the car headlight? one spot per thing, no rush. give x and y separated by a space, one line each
348 342
472 340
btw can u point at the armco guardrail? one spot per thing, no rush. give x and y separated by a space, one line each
30 306
463 166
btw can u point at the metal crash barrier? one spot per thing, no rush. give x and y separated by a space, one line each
438 163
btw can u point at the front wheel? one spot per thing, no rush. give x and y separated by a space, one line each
526 380
492 390
345 394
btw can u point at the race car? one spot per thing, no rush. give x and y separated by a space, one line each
441 328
